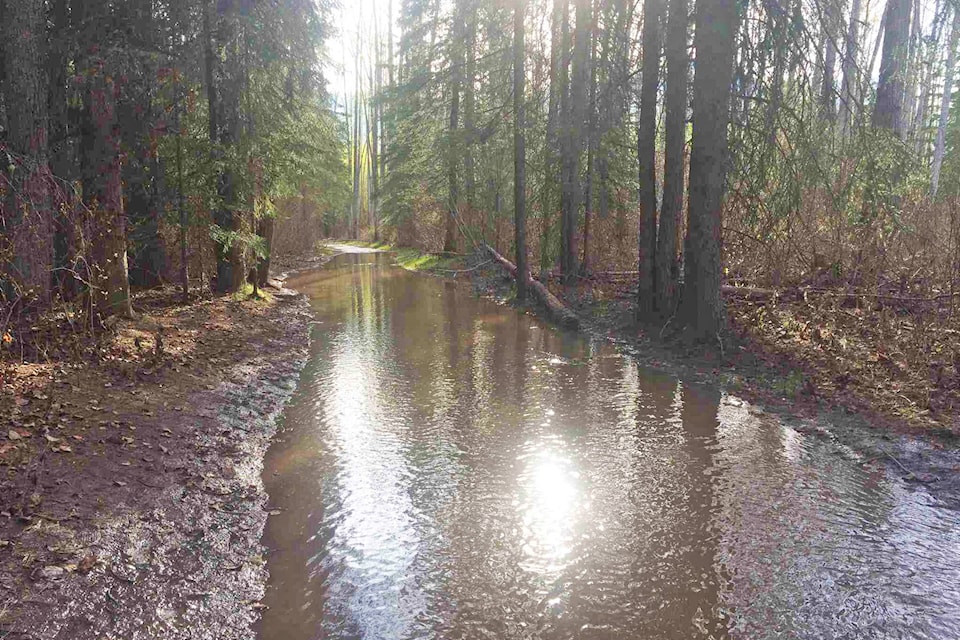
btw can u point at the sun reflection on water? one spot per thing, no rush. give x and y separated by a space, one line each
549 503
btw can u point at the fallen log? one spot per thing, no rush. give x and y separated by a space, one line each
560 314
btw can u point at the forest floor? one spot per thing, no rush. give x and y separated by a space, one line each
882 379
131 503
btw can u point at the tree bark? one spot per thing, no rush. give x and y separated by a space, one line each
678 71
550 146
567 137
103 189
26 230
519 148
647 154
588 196
941 142
850 70
469 105
888 111
828 89
716 26
456 74
577 123
140 171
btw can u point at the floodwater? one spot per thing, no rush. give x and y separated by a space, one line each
451 468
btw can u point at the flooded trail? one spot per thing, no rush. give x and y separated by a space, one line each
451 468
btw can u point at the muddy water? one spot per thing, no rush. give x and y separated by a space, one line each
454 469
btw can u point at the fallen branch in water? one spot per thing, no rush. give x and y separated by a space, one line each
456 272
560 314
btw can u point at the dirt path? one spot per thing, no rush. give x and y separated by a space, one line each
131 503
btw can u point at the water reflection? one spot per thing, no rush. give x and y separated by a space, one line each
453 469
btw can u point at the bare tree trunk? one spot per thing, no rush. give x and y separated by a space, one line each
716 24
911 73
580 78
678 71
567 171
828 89
647 154
456 74
223 101
519 149
941 141
102 190
26 229
887 113
550 145
469 105
850 67
356 152
591 141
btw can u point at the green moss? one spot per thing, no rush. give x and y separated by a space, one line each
789 386
382 246
246 293
414 260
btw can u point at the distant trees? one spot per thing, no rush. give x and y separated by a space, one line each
118 117
810 137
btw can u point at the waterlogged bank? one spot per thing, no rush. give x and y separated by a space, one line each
132 505
451 468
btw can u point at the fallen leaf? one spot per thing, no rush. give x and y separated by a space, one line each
87 563
13 435
62 449
119 483
51 438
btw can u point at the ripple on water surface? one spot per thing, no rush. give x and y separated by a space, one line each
455 469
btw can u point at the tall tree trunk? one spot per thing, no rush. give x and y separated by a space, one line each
567 135
26 229
675 102
375 134
456 75
850 69
647 155
591 141
102 188
911 72
519 149
63 153
223 101
469 106
887 113
716 26
140 175
828 89
551 150
941 141
356 152
577 125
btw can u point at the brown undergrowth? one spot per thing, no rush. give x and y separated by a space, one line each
890 356
896 357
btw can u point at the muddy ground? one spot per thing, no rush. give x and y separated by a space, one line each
131 503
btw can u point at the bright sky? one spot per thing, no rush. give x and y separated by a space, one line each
354 16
